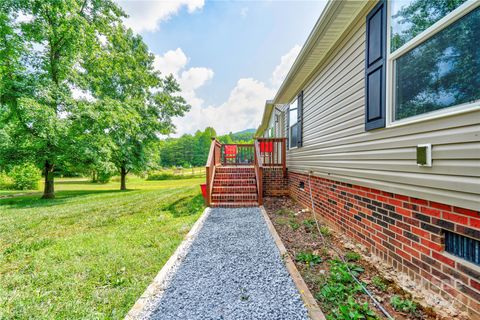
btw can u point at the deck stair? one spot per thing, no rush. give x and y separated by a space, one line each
234 187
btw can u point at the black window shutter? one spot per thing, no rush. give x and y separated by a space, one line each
300 119
288 128
375 64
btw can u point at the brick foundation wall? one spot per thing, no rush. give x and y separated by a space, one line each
274 182
405 232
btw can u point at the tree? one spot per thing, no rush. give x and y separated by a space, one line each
42 113
137 104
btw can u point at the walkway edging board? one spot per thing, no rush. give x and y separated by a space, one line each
313 309
162 279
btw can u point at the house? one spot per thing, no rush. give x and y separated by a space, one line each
381 111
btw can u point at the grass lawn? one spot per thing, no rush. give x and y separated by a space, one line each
92 251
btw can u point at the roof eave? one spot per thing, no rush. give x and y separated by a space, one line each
267 113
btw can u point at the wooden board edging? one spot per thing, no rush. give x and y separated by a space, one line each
309 301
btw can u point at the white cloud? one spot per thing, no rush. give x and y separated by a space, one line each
175 62
146 15
242 110
244 12
171 62
286 62
244 106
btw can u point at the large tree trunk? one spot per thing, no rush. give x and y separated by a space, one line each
123 176
49 190
94 176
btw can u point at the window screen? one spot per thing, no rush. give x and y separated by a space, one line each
463 247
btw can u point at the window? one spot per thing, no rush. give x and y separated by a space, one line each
462 247
409 18
293 124
433 62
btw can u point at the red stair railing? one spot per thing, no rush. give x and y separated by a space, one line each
214 158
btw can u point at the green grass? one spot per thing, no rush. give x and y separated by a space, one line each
92 251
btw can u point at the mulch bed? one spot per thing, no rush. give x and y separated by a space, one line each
295 226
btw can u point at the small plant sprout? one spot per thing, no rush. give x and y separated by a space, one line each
284 212
352 256
309 259
309 224
294 225
403 305
325 231
379 283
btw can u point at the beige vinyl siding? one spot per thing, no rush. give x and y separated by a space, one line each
336 145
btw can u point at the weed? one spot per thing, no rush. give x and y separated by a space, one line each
403 305
352 256
309 224
294 225
284 212
309 259
354 311
282 221
379 283
339 291
325 231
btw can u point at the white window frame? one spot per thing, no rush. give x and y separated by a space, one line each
290 127
446 21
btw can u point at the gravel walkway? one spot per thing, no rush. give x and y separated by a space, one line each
232 271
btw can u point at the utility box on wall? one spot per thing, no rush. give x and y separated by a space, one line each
424 155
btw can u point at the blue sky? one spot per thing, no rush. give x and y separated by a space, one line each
229 57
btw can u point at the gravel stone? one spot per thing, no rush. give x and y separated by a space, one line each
233 270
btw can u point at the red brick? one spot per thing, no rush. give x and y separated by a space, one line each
432 245
444 259
421 248
412 252
430 211
475 284
401 197
395 229
404 255
419 201
395 202
468 212
403 212
475 223
440 206
454 217
420 232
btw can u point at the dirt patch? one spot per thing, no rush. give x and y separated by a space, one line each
328 277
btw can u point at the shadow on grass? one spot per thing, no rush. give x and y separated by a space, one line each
82 181
185 206
33 201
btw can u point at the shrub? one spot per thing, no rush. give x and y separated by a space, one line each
166 175
5 181
104 176
25 177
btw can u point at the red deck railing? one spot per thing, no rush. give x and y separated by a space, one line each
273 152
238 154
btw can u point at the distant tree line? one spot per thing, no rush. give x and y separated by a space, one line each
192 150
